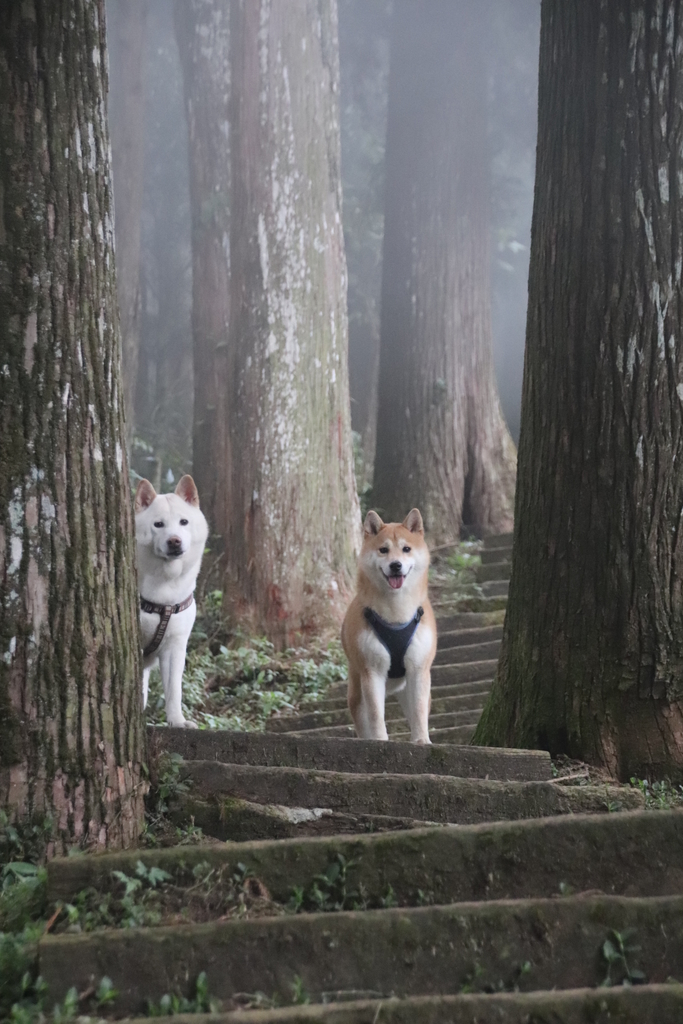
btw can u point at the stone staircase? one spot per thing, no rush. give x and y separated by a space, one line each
465 663
459 884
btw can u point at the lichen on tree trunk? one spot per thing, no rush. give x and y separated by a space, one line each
290 517
442 442
592 658
203 34
70 714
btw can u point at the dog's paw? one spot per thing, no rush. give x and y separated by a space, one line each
422 743
183 723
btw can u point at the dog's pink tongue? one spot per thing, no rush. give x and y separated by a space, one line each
396 582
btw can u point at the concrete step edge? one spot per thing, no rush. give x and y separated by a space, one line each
642 1004
371 950
343 755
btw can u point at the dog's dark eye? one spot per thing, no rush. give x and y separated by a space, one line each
159 524
384 551
184 522
406 549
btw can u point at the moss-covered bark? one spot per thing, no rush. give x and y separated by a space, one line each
70 722
288 510
592 658
442 442
203 34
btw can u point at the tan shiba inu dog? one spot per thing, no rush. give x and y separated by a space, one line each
171 534
389 632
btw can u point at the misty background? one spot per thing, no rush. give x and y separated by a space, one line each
162 444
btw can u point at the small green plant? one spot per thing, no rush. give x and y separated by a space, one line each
616 951
68 1009
171 1003
389 898
300 996
471 982
105 994
25 843
329 890
23 894
659 796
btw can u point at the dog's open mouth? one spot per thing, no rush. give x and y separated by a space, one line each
395 582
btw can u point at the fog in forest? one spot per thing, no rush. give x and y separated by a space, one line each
162 442
341 491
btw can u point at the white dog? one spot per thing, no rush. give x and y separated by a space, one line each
171 534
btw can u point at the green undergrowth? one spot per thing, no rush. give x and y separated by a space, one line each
236 682
660 796
453 576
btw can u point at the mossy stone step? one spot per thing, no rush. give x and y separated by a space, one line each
445 606
463 621
457 734
491 555
466 637
481 686
462 654
634 853
340 703
472 671
496 588
398 726
370 756
493 571
437 798
420 951
501 540
644 1004
239 821
442 675
342 716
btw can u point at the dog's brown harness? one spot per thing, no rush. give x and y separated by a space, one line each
164 611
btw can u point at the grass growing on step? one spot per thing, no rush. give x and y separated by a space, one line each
167 782
236 682
453 577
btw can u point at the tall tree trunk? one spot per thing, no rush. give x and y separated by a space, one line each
442 442
127 27
202 30
592 661
70 715
290 512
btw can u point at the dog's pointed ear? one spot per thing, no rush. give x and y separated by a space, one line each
413 521
373 524
144 496
187 490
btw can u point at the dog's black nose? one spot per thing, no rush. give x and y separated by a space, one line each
396 567
174 544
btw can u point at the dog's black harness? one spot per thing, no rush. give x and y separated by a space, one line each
165 611
396 638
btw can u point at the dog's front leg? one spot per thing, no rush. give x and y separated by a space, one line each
145 687
369 715
415 701
172 665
